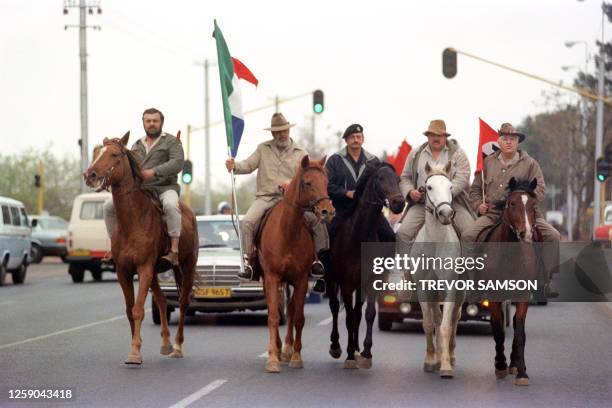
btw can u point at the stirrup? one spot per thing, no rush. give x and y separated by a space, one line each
172 258
247 275
317 270
319 286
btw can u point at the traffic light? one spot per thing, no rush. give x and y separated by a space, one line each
37 181
187 176
449 63
317 101
604 168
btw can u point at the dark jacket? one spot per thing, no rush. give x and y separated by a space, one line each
342 178
165 158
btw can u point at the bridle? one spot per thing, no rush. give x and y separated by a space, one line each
108 174
433 209
379 196
508 224
312 204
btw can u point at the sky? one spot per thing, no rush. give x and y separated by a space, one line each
378 64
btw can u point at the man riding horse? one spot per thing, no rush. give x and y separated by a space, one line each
344 169
438 151
161 157
276 161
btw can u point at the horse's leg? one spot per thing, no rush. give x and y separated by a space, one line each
347 298
160 301
428 327
357 316
145 276
517 357
127 286
188 274
288 346
453 340
446 329
437 319
370 315
272 283
334 305
497 325
299 296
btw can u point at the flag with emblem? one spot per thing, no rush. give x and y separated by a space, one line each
487 144
230 71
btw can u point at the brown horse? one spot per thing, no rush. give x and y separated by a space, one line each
516 225
139 240
285 253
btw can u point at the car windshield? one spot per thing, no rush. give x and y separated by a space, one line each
217 234
52 223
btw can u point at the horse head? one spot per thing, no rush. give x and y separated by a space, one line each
386 185
519 212
439 193
312 193
109 165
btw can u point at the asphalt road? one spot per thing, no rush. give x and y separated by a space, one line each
58 335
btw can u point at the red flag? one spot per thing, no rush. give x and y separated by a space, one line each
488 139
398 160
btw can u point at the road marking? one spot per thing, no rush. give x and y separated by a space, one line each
330 319
263 355
57 333
200 393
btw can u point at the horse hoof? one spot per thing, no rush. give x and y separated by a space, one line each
446 374
335 352
365 363
513 371
285 357
501 373
350 364
296 364
133 359
521 381
165 350
176 353
273 367
429 368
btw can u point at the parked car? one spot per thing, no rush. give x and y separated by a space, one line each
216 286
48 237
603 232
87 238
15 239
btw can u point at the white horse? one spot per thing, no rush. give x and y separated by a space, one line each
438 229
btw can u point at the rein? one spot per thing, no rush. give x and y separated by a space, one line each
434 210
107 176
379 201
312 203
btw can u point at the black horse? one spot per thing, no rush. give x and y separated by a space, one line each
377 187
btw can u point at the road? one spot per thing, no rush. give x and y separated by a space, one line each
59 335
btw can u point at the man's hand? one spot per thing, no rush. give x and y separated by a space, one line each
415 195
283 187
483 208
350 194
230 164
148 174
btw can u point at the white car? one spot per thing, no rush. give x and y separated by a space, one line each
216 286
88 241
15 240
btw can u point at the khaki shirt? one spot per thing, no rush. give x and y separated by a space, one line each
497 175
165 157
273 167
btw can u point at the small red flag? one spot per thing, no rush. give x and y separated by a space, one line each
398 160
488 139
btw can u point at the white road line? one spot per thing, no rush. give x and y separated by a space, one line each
327 321
263 355
200 393
57 333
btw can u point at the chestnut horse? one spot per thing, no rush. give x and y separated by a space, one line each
517 224
139 240
377 187
285 253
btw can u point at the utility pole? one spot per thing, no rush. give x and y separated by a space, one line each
40 205
207 195
597 196
188 186
84 6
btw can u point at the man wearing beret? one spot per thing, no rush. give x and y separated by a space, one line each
276 162
437 151
344 169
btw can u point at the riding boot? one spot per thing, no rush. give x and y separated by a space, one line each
172 258
247 275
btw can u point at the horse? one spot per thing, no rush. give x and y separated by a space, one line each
285 253
139 240
377 187
438 229
517 224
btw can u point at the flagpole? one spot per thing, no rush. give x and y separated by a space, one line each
236 212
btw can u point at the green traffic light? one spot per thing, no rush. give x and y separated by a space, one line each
187 178
601 177
318 108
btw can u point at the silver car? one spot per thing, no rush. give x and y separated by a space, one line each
48 237
216 286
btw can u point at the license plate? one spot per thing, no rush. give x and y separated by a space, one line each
213 292
80 252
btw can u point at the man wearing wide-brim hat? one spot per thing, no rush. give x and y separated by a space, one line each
276 161
438 151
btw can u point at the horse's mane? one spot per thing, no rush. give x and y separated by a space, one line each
364 181
520 185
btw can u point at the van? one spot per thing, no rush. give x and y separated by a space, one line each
87 238
15 240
